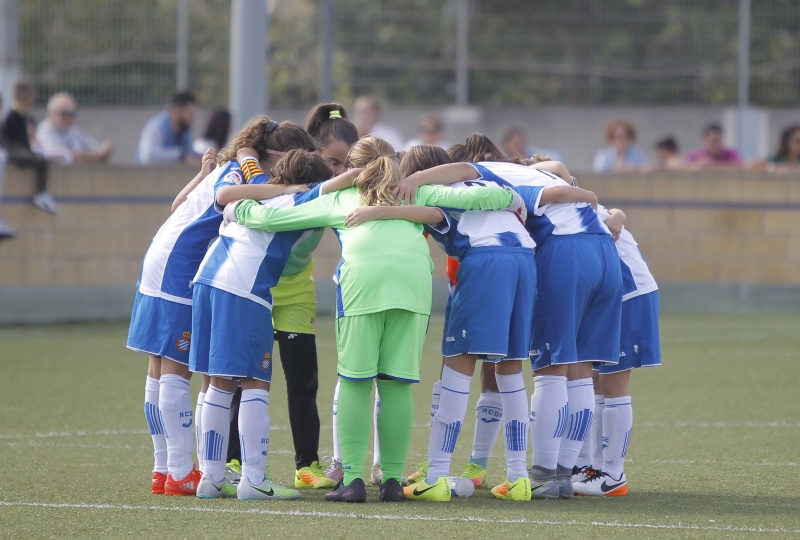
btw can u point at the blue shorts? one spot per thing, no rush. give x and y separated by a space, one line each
579 303
161 328
492 306
233 335
640 345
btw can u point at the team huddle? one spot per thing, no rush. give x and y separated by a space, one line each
538 271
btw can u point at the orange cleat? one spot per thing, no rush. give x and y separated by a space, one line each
184 487
157 487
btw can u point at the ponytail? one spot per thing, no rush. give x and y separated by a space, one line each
327 122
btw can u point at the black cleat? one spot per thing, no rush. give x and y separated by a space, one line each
356 492
392 491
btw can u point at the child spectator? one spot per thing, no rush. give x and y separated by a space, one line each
60 138
668 156
15 136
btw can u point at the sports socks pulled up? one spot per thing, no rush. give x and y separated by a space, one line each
176 413
155 425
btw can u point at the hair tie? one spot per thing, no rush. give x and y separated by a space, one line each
271 125
334 114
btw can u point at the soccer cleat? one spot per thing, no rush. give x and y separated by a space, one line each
583 473
392 491
312 477
233 470
564 481
356 492
266 490
376 476
543 483
419 474
185 487
518 490
157 486
476 474
422 491
208 489
603 485
335 471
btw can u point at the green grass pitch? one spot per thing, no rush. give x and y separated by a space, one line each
714 453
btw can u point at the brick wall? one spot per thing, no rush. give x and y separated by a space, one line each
692 227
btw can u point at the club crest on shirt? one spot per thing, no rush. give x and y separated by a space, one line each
233 177
183 342
265 362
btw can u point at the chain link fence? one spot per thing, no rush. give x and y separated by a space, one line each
521 53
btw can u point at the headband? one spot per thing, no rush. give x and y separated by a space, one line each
275 152
271 125
334 114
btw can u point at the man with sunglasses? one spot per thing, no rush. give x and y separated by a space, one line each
61 139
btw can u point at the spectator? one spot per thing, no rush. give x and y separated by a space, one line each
16 135
787 158
668 156
5 229
166 138
514 145
367 118
216 133
714 154
61 139
619 154
430 130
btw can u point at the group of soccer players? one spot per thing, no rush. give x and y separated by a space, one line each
539 272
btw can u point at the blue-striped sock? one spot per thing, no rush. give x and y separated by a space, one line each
447 422
155 425
515 425
548 420
617 426
254 433
580 394
216 427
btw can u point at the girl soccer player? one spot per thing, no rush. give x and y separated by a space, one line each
383 306
162 312
233 327
640 347
578 308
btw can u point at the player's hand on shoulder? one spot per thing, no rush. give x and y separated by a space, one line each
407 190
361 215
297 188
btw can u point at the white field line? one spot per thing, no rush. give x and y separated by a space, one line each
693 424
400 517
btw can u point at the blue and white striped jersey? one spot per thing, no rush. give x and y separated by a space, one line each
543 220
249 262
480 228
636 277
179 245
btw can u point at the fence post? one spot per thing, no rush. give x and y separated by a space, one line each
9 48
462 53
747 132
182 56
248 76
326 48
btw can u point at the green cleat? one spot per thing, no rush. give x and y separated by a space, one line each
519 490
415 477
421 491
312 477
476 474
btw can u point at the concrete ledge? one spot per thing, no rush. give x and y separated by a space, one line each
58 304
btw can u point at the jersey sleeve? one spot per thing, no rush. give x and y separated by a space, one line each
307 196
232 176
320 212
471 198
532 195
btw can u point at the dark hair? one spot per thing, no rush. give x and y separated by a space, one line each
421 157
300 167
667 143
218 127
783 148
479 147
286 136
182 99
327 122
22 90
712 127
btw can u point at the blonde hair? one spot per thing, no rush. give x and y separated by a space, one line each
381 171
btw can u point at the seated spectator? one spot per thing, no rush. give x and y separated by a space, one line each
367 118
60 139
216 133
15 136
714 154
787 158
668 156
5 229
514 145
167 138
431 130
620 154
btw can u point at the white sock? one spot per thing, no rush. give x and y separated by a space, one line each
617 425
376 446
515 414
436 395
447 423
580 395
198 428
337 454
254 433
548 419
597 434
216 430
176 412
156 426
488 421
